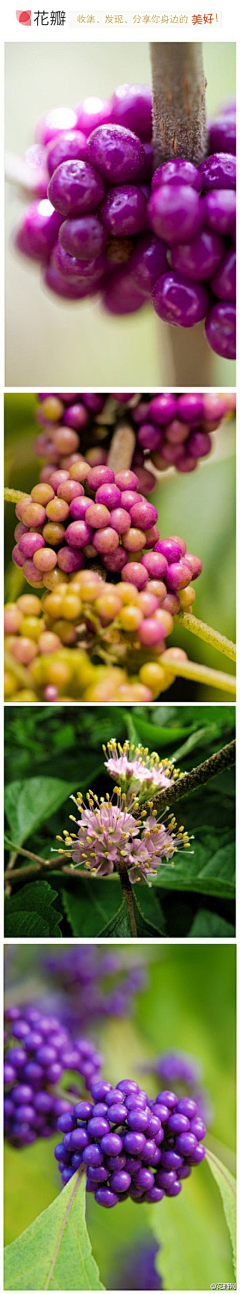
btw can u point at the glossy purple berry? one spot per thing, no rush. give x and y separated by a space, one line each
177 171
75 188
178 301
83 236
175 212
116 152
123 211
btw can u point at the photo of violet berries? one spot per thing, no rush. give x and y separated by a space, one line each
129 227
135 1110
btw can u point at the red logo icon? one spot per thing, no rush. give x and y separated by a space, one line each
24 17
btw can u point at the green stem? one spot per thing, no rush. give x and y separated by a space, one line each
13 496
210 636
199 673
128 896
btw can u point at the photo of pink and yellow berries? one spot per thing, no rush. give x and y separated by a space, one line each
105 222
171 430
130 1145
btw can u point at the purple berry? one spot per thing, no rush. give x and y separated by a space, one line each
175 212
116 152
75 188
178 301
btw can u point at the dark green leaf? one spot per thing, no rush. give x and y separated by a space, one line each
90 905
30 913
120 926
55 1253
207 925
148 912
227 1187
28 804
204 870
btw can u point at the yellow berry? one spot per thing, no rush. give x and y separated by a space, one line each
130 618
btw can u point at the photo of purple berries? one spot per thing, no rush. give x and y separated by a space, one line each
108 545
119 1108
127 241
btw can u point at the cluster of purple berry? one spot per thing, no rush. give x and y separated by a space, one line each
94 983
131 1145
106 221
185 1073
172 430
38 1050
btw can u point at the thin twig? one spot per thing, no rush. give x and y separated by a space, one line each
209 635
199 673
198 776
122 447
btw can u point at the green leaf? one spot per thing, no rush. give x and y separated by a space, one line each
120 926
201 737
148 912
194 1246
91 905
207 925
154 736
55 1253
205 870
27 804
30 914
227 1187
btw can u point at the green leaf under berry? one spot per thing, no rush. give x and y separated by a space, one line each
227 1187
55 1252
194 1245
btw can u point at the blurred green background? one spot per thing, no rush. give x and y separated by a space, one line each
50 342
189 1004
199 506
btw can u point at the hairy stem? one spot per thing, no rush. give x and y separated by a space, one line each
179 113
189 782
122 447
13 496
199 673
210 636
128 896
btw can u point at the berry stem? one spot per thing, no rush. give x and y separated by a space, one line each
179 112
179 130
200 673
122 447
128 896
198 776
211 636
13 496
191 352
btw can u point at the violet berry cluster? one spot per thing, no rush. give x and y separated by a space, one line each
38 1051
129 1145
185 1073
171 430
94 983
106 222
